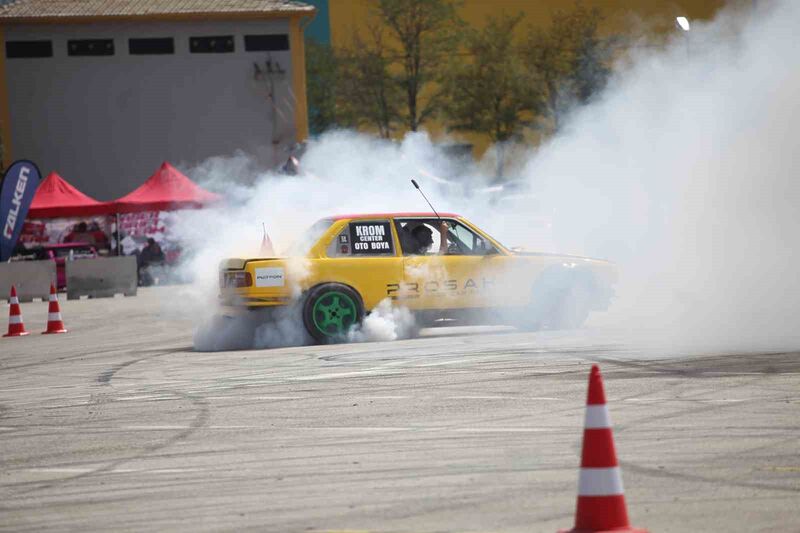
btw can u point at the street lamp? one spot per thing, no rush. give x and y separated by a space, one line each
683 24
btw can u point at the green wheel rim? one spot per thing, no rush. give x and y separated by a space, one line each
333 313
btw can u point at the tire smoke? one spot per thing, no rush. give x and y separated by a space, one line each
683 172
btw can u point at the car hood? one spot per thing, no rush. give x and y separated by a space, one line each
553 254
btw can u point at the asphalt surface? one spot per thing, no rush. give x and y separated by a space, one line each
120 426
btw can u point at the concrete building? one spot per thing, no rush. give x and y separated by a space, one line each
104 91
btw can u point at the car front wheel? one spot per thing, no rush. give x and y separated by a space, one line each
572 309
554 307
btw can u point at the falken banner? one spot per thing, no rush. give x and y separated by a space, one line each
16 194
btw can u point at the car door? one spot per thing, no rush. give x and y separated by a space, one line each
363 254
472 274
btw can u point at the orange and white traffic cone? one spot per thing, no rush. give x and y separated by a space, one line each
16 328
54 322
601 500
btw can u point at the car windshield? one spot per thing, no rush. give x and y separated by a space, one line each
502 245
309 238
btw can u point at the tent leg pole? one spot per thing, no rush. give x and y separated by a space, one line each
119 236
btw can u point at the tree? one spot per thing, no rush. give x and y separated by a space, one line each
368 94
427 34
492 91
570 59
322 69
353 86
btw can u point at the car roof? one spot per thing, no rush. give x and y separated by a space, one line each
396 215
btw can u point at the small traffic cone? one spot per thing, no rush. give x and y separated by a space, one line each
16 328
54 322
601 499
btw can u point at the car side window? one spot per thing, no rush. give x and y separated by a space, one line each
363 238
340 245
463 241
418 236
423 236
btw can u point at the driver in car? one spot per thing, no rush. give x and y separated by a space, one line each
422 237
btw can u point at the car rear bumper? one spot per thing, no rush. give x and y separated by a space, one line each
242 302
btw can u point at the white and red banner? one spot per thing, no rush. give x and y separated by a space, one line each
100 231
91 230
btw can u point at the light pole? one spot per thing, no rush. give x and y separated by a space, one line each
683 24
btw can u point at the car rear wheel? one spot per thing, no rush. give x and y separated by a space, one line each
330 311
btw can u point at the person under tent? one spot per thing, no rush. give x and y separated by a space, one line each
151 256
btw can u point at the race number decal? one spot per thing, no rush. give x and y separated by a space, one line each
371 238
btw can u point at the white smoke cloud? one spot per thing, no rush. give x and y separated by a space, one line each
683 172
387 322
686 174
342 172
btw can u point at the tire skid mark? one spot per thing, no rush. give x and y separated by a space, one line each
714 366
444 352
655 391
105 377
97 400
200 420
87 354
705 363
694 409
664 473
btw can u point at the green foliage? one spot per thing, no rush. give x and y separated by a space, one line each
492 91
419 59
427 35
368 93
322 74
569 59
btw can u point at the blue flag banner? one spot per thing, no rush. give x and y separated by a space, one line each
16 194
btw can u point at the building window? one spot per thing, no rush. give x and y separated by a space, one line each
159 45
90 47
266 43
220 44
15 49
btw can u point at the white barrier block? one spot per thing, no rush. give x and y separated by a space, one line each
31 278
101 277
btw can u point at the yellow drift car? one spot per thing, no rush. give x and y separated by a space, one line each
442 268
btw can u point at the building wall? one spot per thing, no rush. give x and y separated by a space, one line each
623 15
319 29
106 123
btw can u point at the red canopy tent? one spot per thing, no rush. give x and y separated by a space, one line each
55 198
166 190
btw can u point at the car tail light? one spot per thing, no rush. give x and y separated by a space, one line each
237 278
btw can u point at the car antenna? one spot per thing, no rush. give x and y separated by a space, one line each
426 198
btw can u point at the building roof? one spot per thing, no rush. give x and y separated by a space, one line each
33 10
